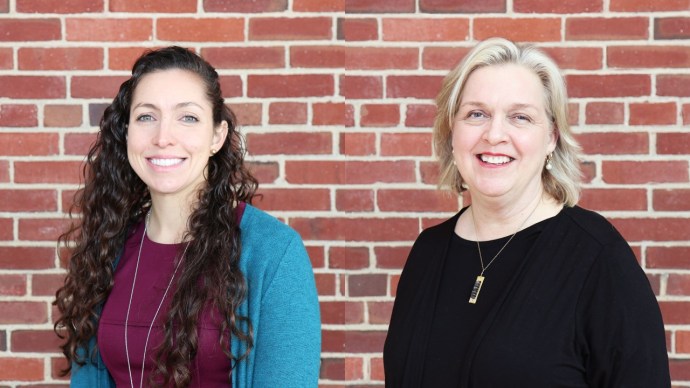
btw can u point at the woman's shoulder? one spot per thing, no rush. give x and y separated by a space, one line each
592 224
257 224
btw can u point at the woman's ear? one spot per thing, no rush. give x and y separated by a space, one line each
219 135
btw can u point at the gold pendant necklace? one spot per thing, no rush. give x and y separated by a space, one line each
474 295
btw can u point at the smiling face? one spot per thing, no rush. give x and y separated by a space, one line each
501 133
171 133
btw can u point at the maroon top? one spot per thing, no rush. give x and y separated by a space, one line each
155 269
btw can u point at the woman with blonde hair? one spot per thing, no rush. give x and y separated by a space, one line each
522 288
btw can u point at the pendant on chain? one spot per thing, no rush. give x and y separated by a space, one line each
475 290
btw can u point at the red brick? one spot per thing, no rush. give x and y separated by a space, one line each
578 58
648 56
46 284
297 85
348 172
29 144
33 87
318 5
614 143
675 313
672 28
589 171
266 172
361 87
306 28
245 57
418 115
23 30
348 257
354 369
391 257
424 87
380 115
12 285
21 369
579 28
360 29
328 113
372 6
231 85
573 114
376 368
333 368
96 86
448 29
605 113
153 6
678 284
349 115
36 229
6 231
316 256
614 199
62 116
244 6
653 113
34 341
412 200
381 58
58 364
122 58
29 200
683 341
354 200
673 143
613 85
522 29
379 312
648 6
442 58
367 285
64 58
200 30
406 144
247 114
6 58
18 115
686 114
294 199
671 200
317 57
78 143
356 229
365 341
563 7
653 229
47 172
680 369
108 29
287 113
393 284
325 283
68 6
429 172
644 172
454 6
673 85
297 143
338 312
23 313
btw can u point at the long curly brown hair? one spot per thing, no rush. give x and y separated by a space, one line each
114 199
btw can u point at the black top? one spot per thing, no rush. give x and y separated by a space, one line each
576 310
455 320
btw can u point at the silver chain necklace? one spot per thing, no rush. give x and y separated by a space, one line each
129 306
480 278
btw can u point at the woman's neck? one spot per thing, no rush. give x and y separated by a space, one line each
168 221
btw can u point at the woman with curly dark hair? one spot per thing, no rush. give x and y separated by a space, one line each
174 279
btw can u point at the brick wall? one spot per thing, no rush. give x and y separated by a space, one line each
337 108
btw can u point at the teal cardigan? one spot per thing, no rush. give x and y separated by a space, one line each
281 303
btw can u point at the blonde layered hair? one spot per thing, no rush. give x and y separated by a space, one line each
562 182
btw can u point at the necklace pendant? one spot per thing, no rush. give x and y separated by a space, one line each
475 290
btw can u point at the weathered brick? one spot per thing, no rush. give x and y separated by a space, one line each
163 6
361 87
454 6
304 28
18 115
431 30
625 172
613 85
109 29
579 58
561 7
318 5
406 144
648 56
618 28
357 143
380 58
71 6
317 57
290 143
673 143
422 87
380 115
372 6
612 143
288 113
294 199
200 30
645 113
290 85
243 6
648 6
23 30
671 200
32 87
605 113
359 29
672 28
673 85
522 29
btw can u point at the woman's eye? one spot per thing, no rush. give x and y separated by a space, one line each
523 118
189 119
145 117
476 115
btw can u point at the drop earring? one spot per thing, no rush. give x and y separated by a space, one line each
548 165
